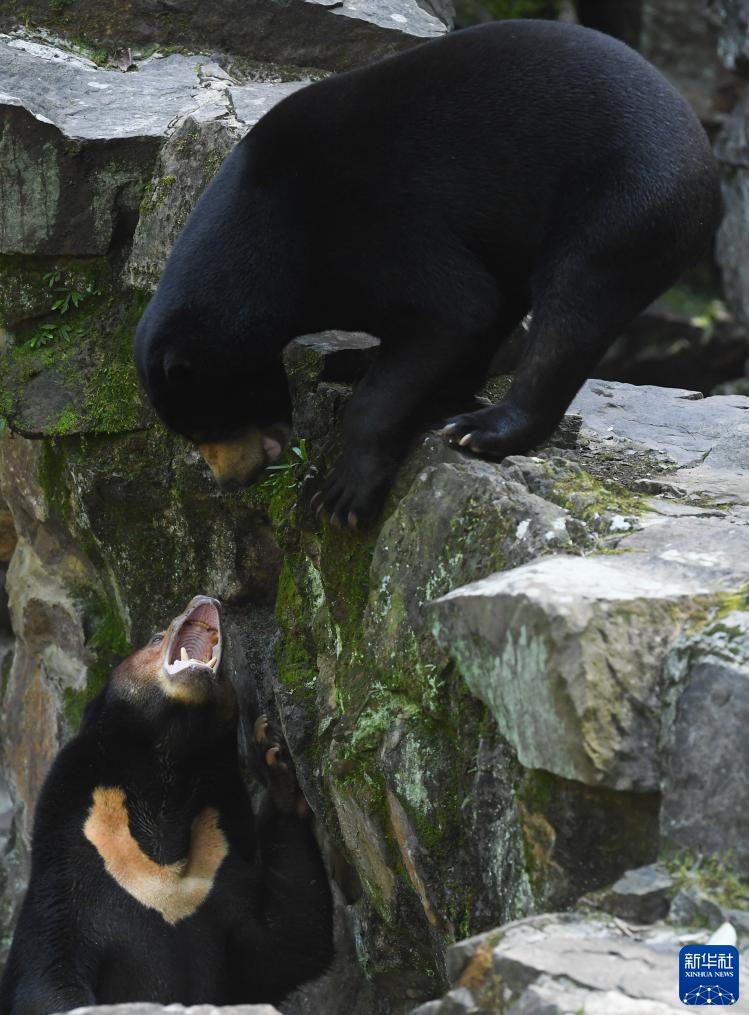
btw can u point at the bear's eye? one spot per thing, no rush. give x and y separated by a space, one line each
157 638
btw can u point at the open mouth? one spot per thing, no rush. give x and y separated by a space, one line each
196 640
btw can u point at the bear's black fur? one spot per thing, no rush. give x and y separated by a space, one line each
152 879
432 199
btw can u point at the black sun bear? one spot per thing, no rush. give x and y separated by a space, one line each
432 199
152 879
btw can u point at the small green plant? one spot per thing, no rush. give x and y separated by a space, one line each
55 332
712 875
67 297
283 476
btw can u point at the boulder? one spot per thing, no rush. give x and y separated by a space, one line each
731 18
99 156
678 38
81 141
567 651
177 1009
705 744
557 964
640 896
334 35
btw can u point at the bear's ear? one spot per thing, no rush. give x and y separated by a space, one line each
177 370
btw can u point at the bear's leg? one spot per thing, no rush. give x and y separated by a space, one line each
576 316
297 942
418 377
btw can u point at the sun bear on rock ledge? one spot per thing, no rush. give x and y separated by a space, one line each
151 878
432 199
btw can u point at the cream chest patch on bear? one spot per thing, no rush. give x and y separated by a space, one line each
175 890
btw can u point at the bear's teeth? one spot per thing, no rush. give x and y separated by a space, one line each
183 654
213 663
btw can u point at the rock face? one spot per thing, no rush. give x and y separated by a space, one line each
80 142
565 963
177 1009
706 739
732 20
302 33
678 38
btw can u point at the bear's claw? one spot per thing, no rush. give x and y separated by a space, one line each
261 726
497 431
352 493
276 769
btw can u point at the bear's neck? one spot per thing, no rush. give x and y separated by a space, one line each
165 795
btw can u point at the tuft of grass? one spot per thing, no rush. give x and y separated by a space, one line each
285 475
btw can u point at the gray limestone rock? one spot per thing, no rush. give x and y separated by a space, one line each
704 785
733 155
197 144
641 895
177 1009
567 651
704 437
732 20
692 907
682 43
559 964
83 143
334 35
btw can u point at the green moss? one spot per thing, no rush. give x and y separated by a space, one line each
53 479
586 496
714 876
295 658
496 387
577 838
696 297
503 9
472 11
732 602
185 145
87 352
5 675
67 422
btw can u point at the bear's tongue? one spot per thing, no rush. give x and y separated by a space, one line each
196 640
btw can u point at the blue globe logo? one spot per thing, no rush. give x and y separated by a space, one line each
709 995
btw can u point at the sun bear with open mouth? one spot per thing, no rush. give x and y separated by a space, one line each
152 878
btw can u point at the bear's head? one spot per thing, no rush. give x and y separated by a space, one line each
174 682
211 379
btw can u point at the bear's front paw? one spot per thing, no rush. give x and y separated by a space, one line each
354 491
276 769
498 431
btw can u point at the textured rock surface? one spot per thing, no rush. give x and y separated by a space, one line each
731 249
732 20
641 896
80 142
96 156
177 1009
560 964
705 741
568 651
678 38
306 33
